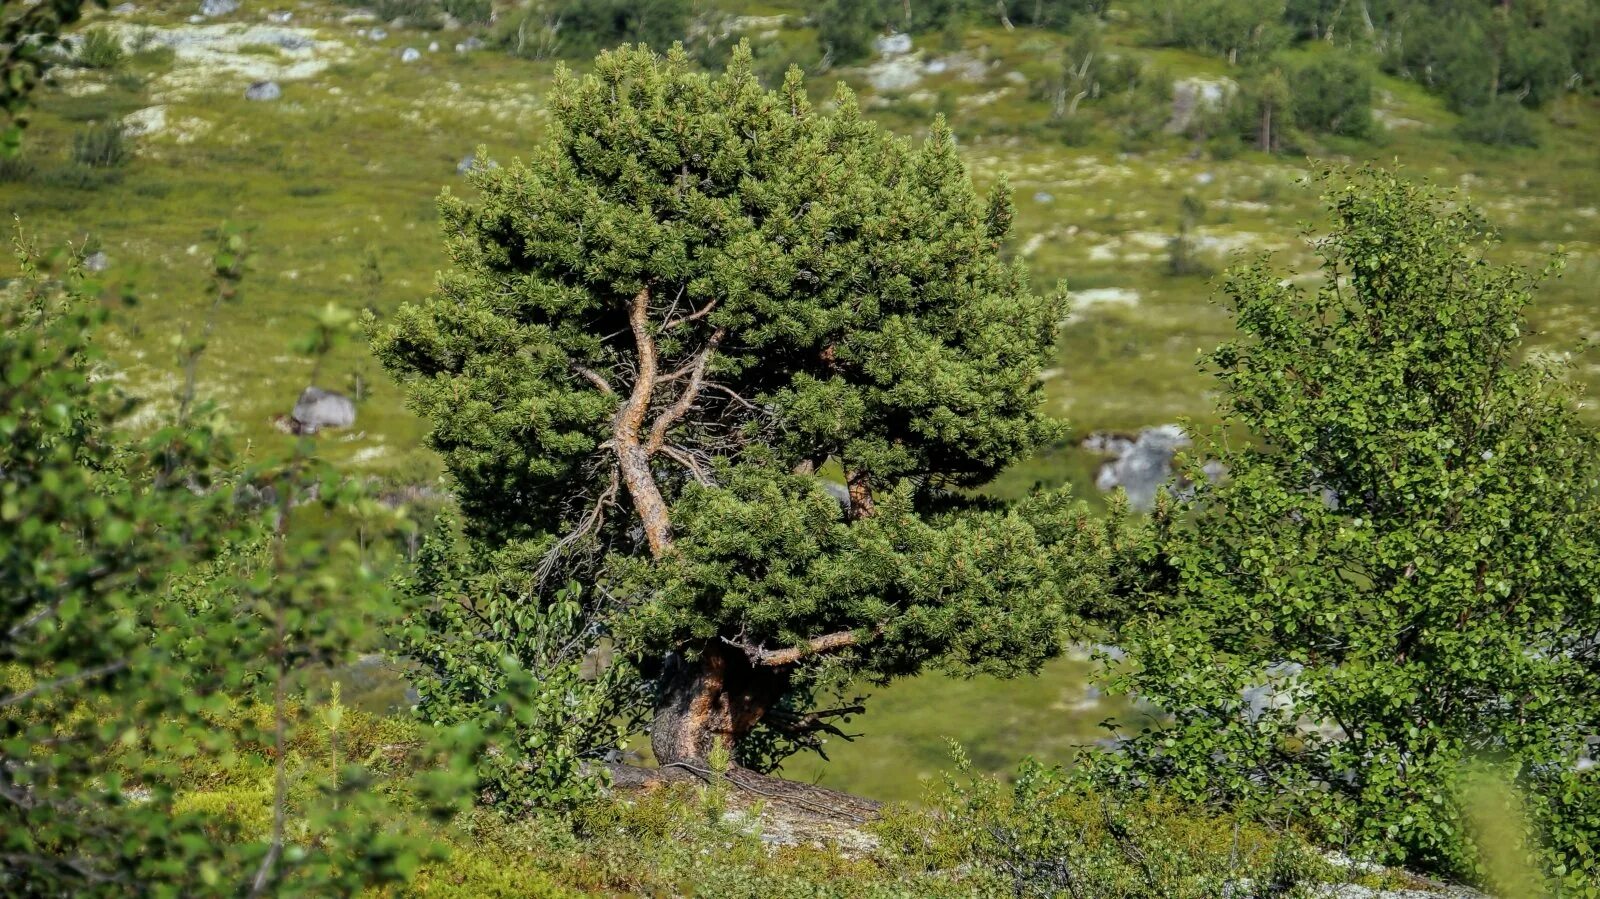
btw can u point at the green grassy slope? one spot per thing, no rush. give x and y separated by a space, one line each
344 169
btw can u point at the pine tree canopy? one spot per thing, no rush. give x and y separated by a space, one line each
694 302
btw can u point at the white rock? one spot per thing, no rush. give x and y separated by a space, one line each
280 18
896 74
894 44
410 54
1143 466
150 120
212 8
318 409
221 56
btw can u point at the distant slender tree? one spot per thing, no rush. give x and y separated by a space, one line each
694 304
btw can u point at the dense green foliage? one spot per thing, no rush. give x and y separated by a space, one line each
156 623
697 296
540 695
848 402
1332 95
89 527
1048 834
1396 579
577 29
29 35
1244 31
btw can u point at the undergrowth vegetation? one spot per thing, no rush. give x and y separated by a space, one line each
738 410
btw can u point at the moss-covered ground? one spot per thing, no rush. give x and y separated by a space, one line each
338 180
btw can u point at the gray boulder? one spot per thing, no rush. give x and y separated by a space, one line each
410 54
122 9
263 91
293 42
1143 464
213 8
318 409
470 44
839 492
280 18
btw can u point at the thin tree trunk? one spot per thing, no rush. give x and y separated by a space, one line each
861 505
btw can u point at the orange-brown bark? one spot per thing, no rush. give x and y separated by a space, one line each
633 458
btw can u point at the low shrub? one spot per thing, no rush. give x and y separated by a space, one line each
469 12
414 13
1050 834
77 176
102 145
1503 123
16 169
100 49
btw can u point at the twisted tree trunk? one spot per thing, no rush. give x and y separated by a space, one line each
711 702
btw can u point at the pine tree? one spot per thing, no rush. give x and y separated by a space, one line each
665 332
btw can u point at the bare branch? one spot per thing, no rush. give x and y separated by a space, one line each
595 378
691 391
58 683
589 524
687 460
812 722
694 316
777 658
733 396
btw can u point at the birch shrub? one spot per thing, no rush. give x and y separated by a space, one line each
1397 578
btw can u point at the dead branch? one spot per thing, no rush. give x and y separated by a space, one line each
595 378
688 461
694 316
733 396
691 392
789 655
589 524
812 722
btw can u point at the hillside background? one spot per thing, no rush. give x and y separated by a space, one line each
378 110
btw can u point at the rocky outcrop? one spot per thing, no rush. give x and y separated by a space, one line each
1142 464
